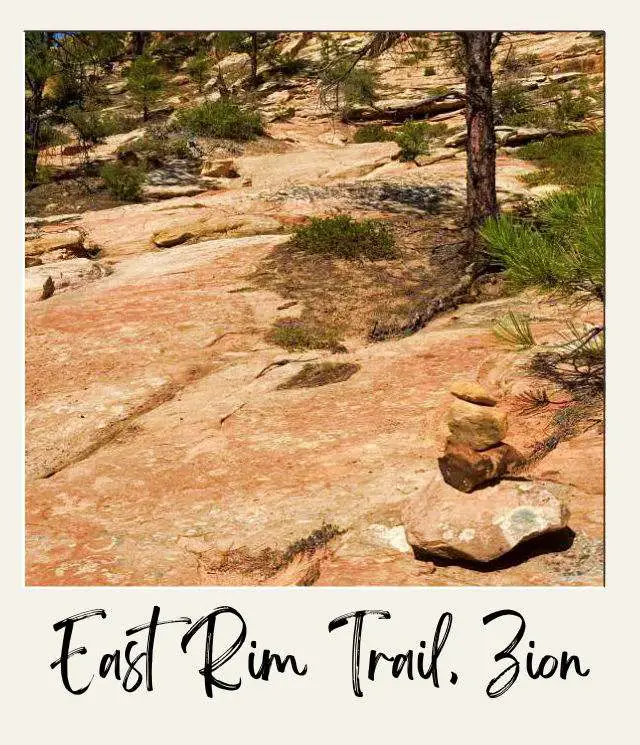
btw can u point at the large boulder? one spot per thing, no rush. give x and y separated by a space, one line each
486 525
480 427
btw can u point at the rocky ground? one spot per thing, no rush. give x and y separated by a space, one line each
164 445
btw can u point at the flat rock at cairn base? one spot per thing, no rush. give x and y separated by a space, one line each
481 527
480 427
465 468
469 390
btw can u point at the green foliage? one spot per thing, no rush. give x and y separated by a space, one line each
454 53
223 118
115 124
226 42
570 161
283 114
510 101
89 125
345 85
514 330
294 333
198 68
429 71
288 65
156 147
372 133
413 138
51 136
39 61
345 238
572 108
68 89
144 82
174 48
124 182
518 64
563 250
420 50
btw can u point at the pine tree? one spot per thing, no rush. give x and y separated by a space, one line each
145 83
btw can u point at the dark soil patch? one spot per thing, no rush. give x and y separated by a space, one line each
324 373
349 297
69 195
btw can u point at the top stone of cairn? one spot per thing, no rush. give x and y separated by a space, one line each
468 390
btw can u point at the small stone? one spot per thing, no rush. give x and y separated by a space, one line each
480 427
465 468
219 167
469 390
48 288
439 522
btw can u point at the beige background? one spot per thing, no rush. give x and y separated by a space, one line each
596 623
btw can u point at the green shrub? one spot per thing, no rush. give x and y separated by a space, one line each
156 146
283 114
223 118
429 70
50 136
198 69
174 47
68 88
345 238
439 90
562 250
572 108
89 125
294 333
115 124
372 133
515 64
124 182
570 161
413 138
354 85
439 129
510 103
287 65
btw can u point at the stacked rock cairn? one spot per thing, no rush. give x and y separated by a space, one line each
467 509
475 451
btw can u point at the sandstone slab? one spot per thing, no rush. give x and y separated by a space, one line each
441 522
69 240
240 226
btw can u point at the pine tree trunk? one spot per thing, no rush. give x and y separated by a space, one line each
33 111
481 145
139 42
254 59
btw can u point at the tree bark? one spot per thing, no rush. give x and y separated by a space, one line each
254 59
481 144
33 111
139 42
